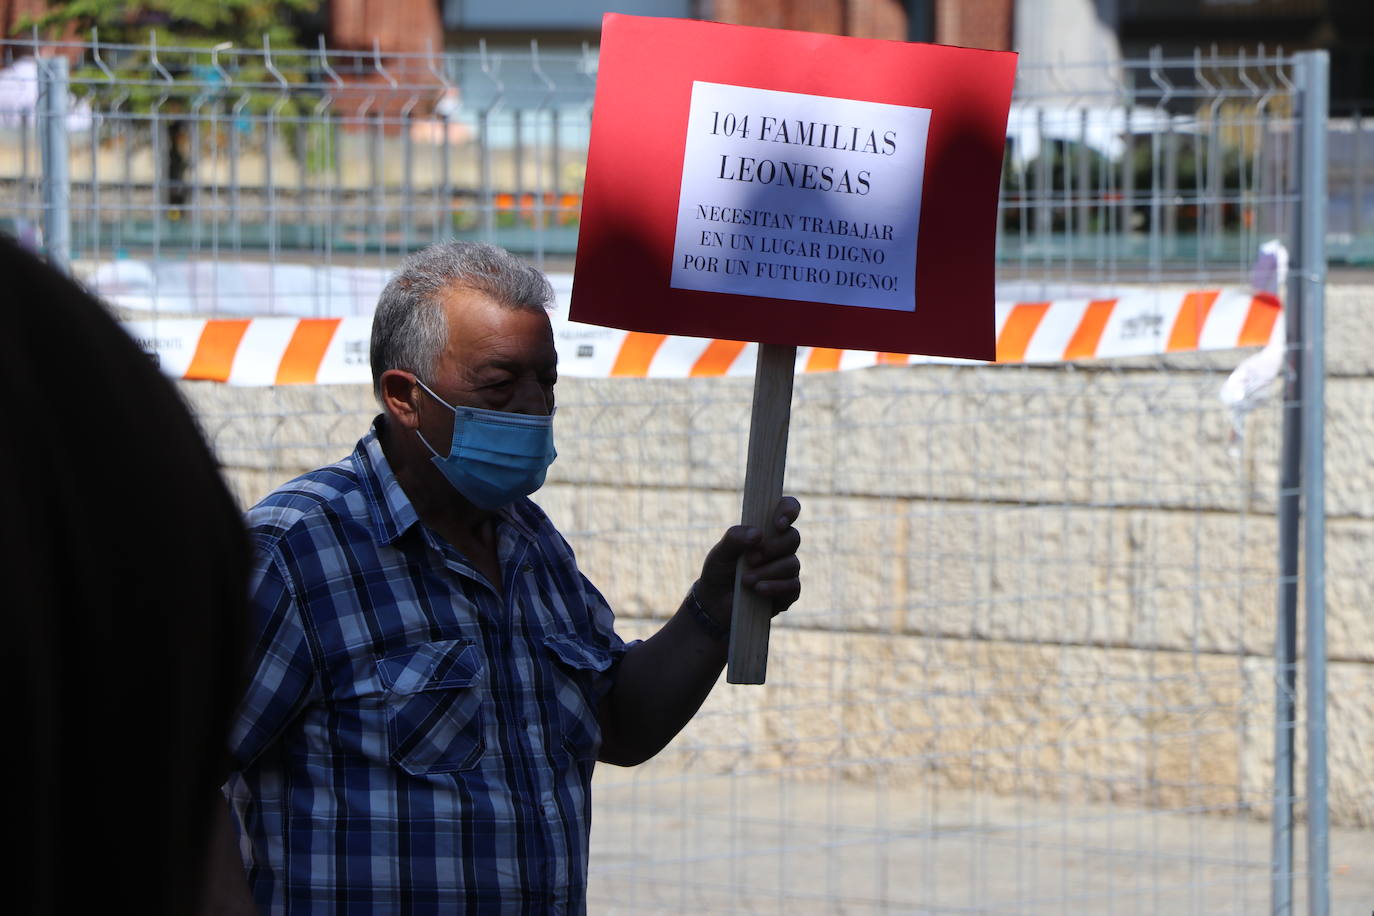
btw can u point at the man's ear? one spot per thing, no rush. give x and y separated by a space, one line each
400 397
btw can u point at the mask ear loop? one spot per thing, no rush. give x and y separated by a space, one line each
431 393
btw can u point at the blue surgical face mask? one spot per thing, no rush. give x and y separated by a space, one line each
496 457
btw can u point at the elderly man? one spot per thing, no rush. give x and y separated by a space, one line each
434 679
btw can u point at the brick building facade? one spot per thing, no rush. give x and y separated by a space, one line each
413 26
975 23
406 24
861 18
968 23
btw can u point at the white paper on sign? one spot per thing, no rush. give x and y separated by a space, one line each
802 197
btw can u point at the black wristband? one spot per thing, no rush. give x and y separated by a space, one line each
709 624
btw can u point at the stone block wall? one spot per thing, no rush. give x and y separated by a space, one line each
860 18
1055 581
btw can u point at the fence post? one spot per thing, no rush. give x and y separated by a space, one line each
1313 69
57 189
1285 635
1357 172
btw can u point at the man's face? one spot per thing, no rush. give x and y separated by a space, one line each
497 358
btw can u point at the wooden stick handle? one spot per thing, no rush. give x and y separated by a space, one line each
762 489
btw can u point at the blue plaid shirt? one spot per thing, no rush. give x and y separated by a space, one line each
413 741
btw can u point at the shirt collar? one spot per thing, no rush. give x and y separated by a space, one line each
390 510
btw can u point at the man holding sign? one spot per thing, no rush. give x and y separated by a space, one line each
433 678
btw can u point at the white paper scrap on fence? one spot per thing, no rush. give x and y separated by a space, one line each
277 351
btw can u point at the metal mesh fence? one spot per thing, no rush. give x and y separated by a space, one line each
319 155
1034 666
351 158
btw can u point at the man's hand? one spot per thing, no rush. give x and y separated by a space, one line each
662 681
771 567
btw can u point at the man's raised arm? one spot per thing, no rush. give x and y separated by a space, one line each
663 681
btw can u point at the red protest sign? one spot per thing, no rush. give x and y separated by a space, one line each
792 188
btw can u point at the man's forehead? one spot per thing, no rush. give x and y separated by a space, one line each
486 332
468 304
514 360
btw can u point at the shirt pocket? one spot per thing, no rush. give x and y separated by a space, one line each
434 706
580 679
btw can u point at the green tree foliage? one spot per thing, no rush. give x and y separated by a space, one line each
187 37
174 60
181 23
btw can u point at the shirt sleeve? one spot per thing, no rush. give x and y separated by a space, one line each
281 669
603 625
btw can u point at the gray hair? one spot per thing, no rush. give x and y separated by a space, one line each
409 328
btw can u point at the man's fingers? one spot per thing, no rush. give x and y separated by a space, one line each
782 592
736 540
787 511
771 567
734 544
785 568
740 538
718 572
783 543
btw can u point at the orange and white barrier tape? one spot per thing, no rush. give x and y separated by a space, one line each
324 351
260 351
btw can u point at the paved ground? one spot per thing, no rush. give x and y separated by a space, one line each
667 844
